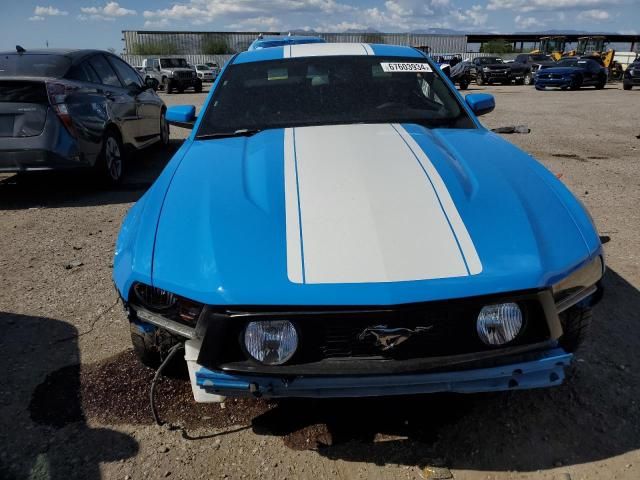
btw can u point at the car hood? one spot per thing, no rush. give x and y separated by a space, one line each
495 66
562 70
364 215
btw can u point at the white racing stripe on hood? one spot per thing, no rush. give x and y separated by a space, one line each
362 207
326 49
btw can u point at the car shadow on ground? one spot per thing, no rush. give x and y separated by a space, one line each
46 436
593 416
80 189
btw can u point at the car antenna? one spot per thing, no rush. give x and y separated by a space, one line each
19 49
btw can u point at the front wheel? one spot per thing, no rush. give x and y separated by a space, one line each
575 84
464 84
601 83
627 86
576 323
197 87
479 80
528 79
164 129
110 164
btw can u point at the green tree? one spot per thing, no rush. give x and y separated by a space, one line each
216 47
498 45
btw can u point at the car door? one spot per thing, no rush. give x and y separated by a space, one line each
88 108
122 109
587 72
148 103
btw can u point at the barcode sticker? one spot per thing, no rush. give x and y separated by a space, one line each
406 67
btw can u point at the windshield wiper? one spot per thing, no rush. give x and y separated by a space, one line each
243 132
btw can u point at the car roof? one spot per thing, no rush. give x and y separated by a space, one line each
72 53
327 50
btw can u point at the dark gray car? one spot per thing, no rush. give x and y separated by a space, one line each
74 108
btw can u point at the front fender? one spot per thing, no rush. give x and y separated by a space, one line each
133 258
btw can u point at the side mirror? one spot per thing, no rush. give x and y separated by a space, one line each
480 103
183 116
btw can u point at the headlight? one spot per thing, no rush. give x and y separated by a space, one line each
579 280
153 297
271 342
167 304
631 71
499 324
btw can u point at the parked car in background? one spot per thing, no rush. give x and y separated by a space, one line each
521 73
62 109
282 40
325 232
492 70
172 74
631 75
534 61
572 73
463 73
204 73
215 68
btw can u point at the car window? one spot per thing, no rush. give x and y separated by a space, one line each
332 90
127 74
33 65
105 71
83 72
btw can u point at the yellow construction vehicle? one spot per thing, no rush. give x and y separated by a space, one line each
596 46
553 46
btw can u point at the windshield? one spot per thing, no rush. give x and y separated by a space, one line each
203 67
569 62
540 58
173 63
489 60
33 65
331 90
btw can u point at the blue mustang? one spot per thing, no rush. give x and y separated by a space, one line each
572 73
339 223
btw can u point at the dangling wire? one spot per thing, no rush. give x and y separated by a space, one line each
166 361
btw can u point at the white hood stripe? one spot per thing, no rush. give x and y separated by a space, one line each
474 266
326 49
359 209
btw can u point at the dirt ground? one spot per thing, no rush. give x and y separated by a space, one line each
73 400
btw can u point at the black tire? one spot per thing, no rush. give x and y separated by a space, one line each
110 165
197 87
506 82
164 130
601 83
576 83
163 84
479 80
168 85
146 351
627 86
464 84
576 323
539 87
520 82
528 79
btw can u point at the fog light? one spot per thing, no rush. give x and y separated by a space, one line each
271 342
499 324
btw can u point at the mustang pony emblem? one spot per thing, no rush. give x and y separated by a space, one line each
387 338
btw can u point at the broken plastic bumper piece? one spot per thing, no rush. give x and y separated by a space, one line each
545 371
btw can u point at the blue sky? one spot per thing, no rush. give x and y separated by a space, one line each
95 24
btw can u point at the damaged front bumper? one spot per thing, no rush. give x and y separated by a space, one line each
546 370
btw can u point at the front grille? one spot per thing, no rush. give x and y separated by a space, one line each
434 329
183 75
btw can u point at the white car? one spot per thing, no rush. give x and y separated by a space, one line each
204 73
